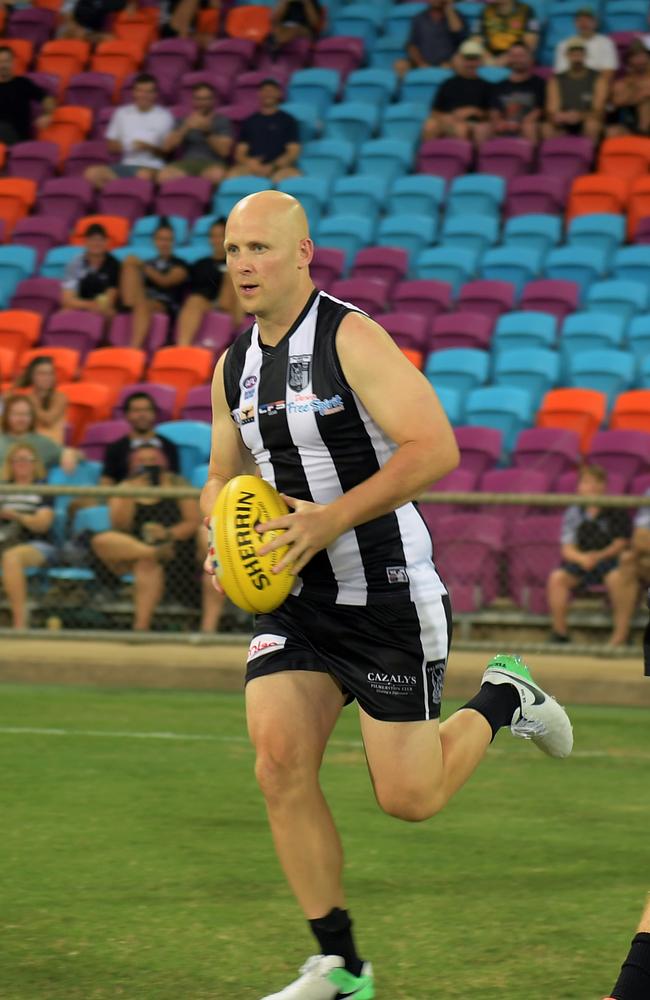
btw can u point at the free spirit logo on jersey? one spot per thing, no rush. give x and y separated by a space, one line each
324 407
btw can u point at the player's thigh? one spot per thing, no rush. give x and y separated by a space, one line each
404 759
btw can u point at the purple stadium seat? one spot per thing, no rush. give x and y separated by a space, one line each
222 85
533 547
216 332
446 158
409 330
86 154
164 396
480 448
489 298
507 158
287 59
185 196
512 481
74 328
552 450
127 196
553 296
91 90
66 197
566 156
386 264
343 53
48 81
98 436
626 453
119 334
34 24
457 481
198 404
468 548
247 87
640 485
568 481
41 232
427 297
168 59
41 295
229 56
461 329
327 266
642 231
36 161
235 113
535 194
369 295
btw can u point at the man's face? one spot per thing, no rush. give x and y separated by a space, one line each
638 62
586 24
144 96
6 66
437 4
270 97
576 58
141 415
262 261
96 245
164 242
470 65
217 235
589 485
203 101
19 418
519 59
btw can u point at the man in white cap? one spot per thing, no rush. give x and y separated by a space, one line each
460 107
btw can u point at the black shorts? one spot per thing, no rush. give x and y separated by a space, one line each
390 657
592 577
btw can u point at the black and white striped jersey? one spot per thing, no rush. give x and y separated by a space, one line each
312 438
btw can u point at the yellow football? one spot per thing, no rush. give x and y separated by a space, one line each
246 576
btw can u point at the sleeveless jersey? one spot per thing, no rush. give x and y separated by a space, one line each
312 439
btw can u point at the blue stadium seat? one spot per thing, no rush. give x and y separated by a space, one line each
632 264
317 87
515 264
312 192
610 372
643 380
451 401
359 20
359 194
387 50
537 231
508 412
327 158
351 121
201 230
388 157
411 232
420 85
200 475
54 263
447 264
144 228
376 87
573 264
625 298
638 337
192 438
93 520
536 370
479 194
460 368
524 329
592 331
86 473
473 232
597 229
233 189
346 232
398 23
471 11
403 121
626 15
416 193
193 252
309 126
494 74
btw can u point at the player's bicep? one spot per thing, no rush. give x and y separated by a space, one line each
228 456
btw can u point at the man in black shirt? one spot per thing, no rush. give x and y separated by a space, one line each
210 287
517 103
141 413
460 107
268 142
153 285
434 37
91 279
17 93
296 19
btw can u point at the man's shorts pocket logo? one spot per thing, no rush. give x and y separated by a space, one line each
265 643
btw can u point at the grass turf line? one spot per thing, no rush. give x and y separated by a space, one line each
143 869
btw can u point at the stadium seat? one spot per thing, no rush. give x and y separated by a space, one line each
328 264
34 160
341 54
457 481
505 158
566 156
42 232
198 405
182 367
571 263
246 87
452 403
398 20
389 158
315 86
327 158
200 475
579 410
23 51
590 331
164 397
358 20
410 331
83 155
346 232
416 193
512 480
16 263
558 298
7 365
536 370
117 57
451 265
597 193
638 204
638 337
369 295
461 329
139 25
40 295
251 22
309 128
535 194
360 194
63 58
99 435
508 412
514 265
462 369
56 261
479 194
127 196
611 372
114 367
88 402
371 87
82 331
233 189
480 448
351 121
169 58
221 85
64 359
216 332
68 125
187 197
468 549
488 297
631 411
533 547
117 229
551 450
17 197
446 158
632 264
622 452
424 297
626 15
91 90
624 155
229 56
412 233
535 232
20 330
521 329
624 298
387 265
403 121
470 232
601 230
192 438
421 84
142 234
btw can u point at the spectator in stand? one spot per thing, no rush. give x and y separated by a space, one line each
504 22
635 566
575 99
88 19
601 53
137 132
518 103
268 141
592 540
91 280
210 287
295 19
631 94
205 138
38 382
17 94
435 36
141 413
153 286
25 520
178 18
18 426
460 107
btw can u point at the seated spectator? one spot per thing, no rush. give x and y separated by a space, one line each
518 103
88 19
593 538
635 566
17 94
205 138
460 107
141 413
18 426
38 382
435 35
155 538
268 141
631 94
210 287
601 53
178 18
504 22
137 133
25 520
153 286
295 19
575 99
91 280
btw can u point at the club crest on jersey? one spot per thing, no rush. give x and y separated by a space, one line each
299 374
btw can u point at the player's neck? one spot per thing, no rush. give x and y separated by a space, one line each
273 327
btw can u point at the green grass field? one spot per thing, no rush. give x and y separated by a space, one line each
135 860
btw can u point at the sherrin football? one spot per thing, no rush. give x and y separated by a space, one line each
247 577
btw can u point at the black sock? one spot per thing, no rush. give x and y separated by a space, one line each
634 980
334 936
497 704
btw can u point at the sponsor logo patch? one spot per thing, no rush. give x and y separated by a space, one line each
246 415
299 372
397 574
270 409
394 684
250 382
265 643
436 678
324 407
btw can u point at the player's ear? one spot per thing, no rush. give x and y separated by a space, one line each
305 252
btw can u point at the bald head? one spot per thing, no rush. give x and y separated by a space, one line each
275 209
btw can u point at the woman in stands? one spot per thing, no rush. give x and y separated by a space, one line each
25 520
19 426
50 405
153 286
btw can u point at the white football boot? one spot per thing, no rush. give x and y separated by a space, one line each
324 977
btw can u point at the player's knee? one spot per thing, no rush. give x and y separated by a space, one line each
413 804
281 768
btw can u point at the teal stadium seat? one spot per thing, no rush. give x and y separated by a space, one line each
388 157
192 438
327 158
86 473
517 265
416 193
472 232
451 401
359 194
420 85
201 229
597 229
638 337
398 22
346 232
412 233
144 228
632 264
359 20
448 264
611 372
625 298
534 369
16 263
644 372
309 127
535 231
351 121
626 15
233 189
524 329
477 194
54 263
460 368
508 412
403 121
574 264
317 87
387 50
200 475
376 87
592 331
494 74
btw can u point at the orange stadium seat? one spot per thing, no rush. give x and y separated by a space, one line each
54 5
19 329
114 367
597 193
140 26
70 124
7 364
119 57
64 359
631 411
208 21
23 51
580 410
252 22
17 196
181 367
88 402
116 226
413 355
63 58
3 154
625 155
638 203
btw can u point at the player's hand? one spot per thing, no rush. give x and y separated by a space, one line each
310 528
